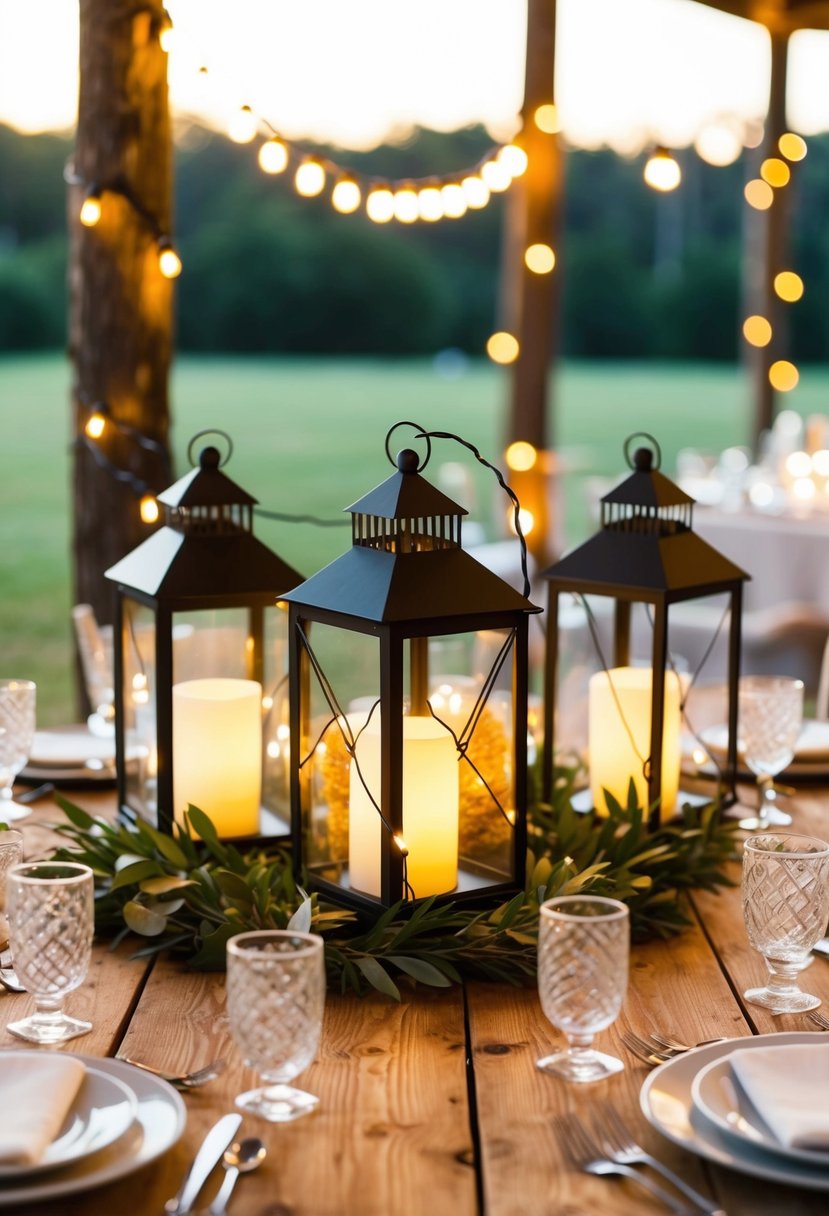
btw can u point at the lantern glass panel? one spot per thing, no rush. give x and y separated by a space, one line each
213 643
138 697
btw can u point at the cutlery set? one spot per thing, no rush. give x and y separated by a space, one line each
218 1146
607 1148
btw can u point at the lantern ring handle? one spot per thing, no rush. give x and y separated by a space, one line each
210 431
642 435
421 434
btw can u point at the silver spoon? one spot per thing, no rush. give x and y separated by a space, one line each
9 980
239 1159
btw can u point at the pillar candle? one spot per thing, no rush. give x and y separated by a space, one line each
217 752
612 757
430 808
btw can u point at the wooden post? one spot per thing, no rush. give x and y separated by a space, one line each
529 301
765 252
120 306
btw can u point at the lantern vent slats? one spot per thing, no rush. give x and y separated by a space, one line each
213 519
646 518
408 534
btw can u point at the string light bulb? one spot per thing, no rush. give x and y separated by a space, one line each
546 118
380 205
95 424
792 146
514 159
540 258
169 263
90 211
309 178
788 286
405 204
166 33
430 204
148 509
346 196
662 171
783 375
242 126
475 191
758 194
503 347
273 156
496 175
775 171
454 200
757 330
521 456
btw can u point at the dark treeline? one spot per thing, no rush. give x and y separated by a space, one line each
645 275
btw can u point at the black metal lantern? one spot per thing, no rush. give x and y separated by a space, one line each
200 664
646 552
408 672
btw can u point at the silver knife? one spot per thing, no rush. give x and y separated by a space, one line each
209 1155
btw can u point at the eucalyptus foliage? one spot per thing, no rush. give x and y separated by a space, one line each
190 892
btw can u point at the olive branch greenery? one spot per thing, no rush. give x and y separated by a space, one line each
189 895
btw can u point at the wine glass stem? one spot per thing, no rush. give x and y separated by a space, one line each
783 976
580 1047
767 800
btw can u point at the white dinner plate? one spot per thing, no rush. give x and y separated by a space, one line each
158 1124
666 1103
70 747
103 1109
717 1094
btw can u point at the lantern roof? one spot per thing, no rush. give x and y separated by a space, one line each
406 562
646 547
206 549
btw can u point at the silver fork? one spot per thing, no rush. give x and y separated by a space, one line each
646 1051
819 1019
662 1040
182 1080
583 1154
621 1147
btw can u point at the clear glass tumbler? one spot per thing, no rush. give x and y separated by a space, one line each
583 951
275 1001
785 890
770 720
51 923
17 733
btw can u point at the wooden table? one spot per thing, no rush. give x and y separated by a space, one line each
433 1107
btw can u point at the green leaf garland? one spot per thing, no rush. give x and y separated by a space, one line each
190 895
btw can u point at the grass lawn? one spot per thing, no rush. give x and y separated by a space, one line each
308 437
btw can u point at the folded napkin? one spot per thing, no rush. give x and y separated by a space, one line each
36 1097
788 1085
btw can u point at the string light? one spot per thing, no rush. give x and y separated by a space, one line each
346 196
454 200
758 194
546 118
783 375
169 263
405 204
540 258
243 126
503 347
166 33
430 206
148 509
380 205
788 286
521 456
757 331
775 171
309 178
273 156
792 146
90 211
662 171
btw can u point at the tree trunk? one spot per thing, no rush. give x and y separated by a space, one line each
530 302
120 306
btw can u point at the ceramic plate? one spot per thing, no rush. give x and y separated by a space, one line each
102 1111
716 1093
666 1103
159 1121
70 747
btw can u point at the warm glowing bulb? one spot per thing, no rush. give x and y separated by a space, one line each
662 171
788 285
783 375
521 456
430 204
475 191
758 194
775 171
309 179
820 462
346 196
526 522
405 205
757 331
166 34
546 118
273 156
169 263
149 509
502 347
496 176
95 425
242 126
540 259
804 488
792 146
90 210
718 144
380 205
454 200
514 159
